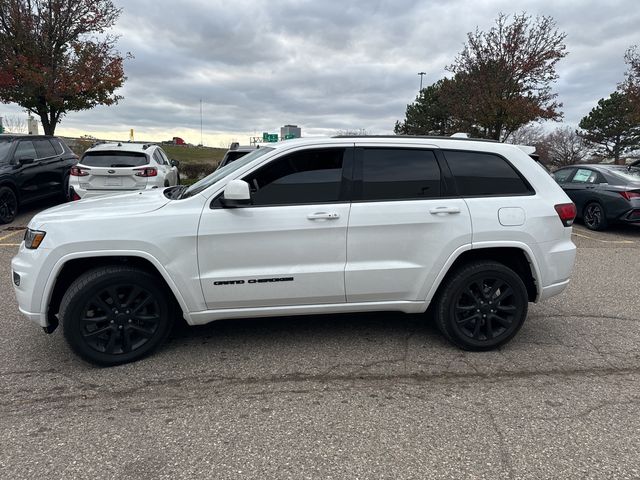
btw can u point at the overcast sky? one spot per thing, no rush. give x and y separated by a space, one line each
324 65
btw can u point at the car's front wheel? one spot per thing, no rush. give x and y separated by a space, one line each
8 205
481 306
115 314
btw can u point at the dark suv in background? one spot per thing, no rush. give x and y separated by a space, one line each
32 167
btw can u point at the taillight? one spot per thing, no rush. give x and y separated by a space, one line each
630 195
567 213
79 172
147 172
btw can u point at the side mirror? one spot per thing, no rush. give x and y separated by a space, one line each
236 194
26 161
174 163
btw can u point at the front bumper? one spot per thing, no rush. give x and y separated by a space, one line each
28 265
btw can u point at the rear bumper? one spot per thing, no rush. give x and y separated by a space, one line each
83 193
553 290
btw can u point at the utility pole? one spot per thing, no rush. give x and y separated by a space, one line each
201 144
422 74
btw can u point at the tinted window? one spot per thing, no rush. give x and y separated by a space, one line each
164 156
57 147
395 174
631 174
562 176
158 157
309 176
480 174
5 146
44 148
25 150
114 159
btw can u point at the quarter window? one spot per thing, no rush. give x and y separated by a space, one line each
308 176
484 174
399 174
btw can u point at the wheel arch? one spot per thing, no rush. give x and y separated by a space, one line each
12 186
70 267
517 257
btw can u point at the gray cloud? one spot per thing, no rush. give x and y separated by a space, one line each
329 65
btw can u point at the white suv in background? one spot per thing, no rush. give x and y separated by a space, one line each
108 168
474 229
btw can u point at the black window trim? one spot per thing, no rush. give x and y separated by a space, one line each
532 191
346 184
446 185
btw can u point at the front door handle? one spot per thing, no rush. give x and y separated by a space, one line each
438 210
323 216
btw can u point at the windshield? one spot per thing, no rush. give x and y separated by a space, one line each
219 174
114 159
5 146
631 174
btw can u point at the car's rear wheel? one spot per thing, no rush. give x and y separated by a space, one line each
594 216
8 205
115 314
481 306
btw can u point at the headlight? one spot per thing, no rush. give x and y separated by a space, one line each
33 238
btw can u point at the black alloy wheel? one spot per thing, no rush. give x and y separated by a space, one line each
594 216
115 315
8 205
483 305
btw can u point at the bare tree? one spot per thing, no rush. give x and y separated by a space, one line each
355 132
565 147
15 124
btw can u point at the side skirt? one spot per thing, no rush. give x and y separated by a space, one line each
200 318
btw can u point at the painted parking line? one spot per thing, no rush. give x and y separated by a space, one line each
16 232
9 244
603 241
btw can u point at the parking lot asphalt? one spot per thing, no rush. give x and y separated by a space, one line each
341 396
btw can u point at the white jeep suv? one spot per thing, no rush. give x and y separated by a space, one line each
475 229
108 168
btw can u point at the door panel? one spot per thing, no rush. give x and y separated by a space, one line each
272 256
402 227
397 249
289 247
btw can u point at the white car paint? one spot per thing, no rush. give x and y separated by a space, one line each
100 181
345 257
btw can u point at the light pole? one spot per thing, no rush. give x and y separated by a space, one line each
422 74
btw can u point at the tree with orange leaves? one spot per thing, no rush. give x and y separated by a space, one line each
56 56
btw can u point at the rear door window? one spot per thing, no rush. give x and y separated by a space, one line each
485 174
114 159
584 175
44 149
399 174
25 149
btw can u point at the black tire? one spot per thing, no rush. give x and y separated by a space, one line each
594 216
107 332
65 194
482 305
8 205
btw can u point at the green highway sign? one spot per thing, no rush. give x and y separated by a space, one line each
269 137
289 136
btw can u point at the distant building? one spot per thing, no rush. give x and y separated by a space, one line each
290 131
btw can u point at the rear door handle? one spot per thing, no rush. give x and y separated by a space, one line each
438 210
323 216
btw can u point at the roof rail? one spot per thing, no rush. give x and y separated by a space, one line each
427 137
